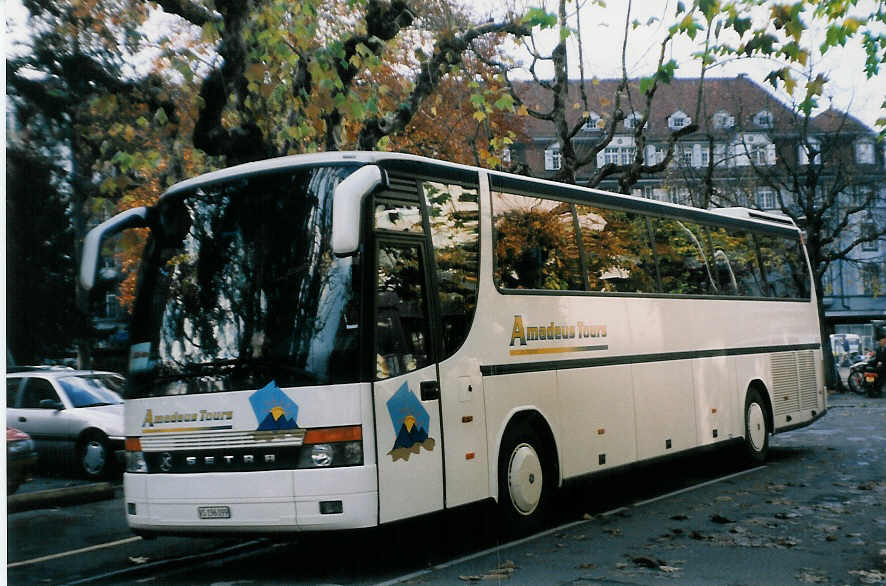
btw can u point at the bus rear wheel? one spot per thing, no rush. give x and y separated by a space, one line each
525 480
756 428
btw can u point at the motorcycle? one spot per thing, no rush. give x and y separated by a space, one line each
863 378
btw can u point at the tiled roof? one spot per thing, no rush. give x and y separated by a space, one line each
835 121
739 97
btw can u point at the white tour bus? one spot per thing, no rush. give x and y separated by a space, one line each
342 340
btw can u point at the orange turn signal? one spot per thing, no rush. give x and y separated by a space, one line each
133 444
328 435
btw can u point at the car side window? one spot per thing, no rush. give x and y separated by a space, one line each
12 385
36 390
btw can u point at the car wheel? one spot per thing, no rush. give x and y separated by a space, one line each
855 381
525 480
93 454
756 428
11 487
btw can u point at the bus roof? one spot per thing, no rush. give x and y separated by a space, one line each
736 216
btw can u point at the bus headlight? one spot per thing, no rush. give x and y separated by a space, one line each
332 447
321 455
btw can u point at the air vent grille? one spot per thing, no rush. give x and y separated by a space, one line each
808 380
785 383
221 440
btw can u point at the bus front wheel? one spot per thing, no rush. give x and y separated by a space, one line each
525 480
756 428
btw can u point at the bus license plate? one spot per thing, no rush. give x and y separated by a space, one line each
214 512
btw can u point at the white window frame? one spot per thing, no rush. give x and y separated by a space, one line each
766 198
764 119
864 152
553 158
678 120
803 154
593 122
723 120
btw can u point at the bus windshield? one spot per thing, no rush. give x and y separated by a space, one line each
239 287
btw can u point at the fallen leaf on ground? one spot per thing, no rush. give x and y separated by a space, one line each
869 576
586 566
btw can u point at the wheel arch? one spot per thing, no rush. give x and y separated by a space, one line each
759 386
534 418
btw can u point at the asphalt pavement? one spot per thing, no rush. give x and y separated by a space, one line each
815 514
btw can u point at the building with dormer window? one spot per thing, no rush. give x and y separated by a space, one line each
751 146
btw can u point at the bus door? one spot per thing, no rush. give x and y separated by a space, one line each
406 389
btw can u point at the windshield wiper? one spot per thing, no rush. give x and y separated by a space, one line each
97 404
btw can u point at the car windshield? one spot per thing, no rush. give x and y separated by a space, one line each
239 287
92 390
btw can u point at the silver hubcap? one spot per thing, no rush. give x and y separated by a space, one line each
525 479
94 457
756 427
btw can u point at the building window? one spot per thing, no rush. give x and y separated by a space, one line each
722 120
553 158
864 153
632 120
648 192
862 195
758 154
685 154
678 120
594 122
627 155
869 230
763 119
766 198
813 148
506 155
870 278
705 156
610 156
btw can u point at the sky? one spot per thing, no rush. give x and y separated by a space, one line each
602 30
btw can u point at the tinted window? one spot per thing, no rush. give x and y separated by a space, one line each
240 287
737 268
453 215
402 340
36 390
684 258
784 266
535 245
617 250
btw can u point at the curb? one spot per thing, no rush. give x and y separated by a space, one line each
57 497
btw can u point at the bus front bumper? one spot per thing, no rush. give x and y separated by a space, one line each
252 502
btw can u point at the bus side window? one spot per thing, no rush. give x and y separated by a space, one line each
535 244
454 219
401 330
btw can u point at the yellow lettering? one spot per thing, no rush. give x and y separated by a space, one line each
149 419
518 332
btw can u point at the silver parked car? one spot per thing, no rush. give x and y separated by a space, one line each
69 412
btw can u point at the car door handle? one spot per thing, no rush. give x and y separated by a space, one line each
22 419
430 390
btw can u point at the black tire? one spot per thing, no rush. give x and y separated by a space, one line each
855 380
756 428
93 454
11 488
525 480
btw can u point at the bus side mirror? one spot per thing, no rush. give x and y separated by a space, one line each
92 245
347 201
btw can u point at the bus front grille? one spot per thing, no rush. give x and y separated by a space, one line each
222 440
